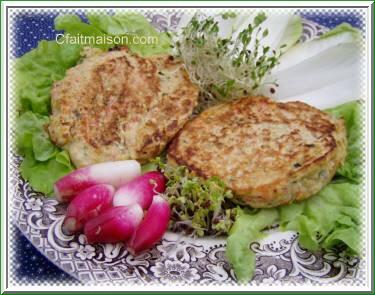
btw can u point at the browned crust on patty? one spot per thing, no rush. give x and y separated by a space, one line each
268 153
118 105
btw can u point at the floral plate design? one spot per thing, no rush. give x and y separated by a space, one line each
176 259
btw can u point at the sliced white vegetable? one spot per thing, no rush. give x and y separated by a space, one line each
292 32
303 51
339 93
323 72
319 71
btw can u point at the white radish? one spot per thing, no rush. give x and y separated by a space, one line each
140 190
116 224
87 205
113 173
152 227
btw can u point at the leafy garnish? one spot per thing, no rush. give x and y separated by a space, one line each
322 219
351 113
43 175
36 71
32 136
228 15
43 162
229 67
199 207
246 230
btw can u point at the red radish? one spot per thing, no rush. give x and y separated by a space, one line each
87 205
116 224
152 227
140 190
113 173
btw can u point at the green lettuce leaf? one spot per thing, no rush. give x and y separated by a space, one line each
119 24
326 219
43 162
31 136
43 175
35 73
37 70
74 26
247 229
27 125
351 113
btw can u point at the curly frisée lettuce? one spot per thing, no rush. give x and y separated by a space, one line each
199 207
35 73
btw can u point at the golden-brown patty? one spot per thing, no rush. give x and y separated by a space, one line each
117 105
268 153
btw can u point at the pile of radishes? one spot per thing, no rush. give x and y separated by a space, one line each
112 202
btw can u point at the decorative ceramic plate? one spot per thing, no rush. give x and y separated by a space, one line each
177 258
